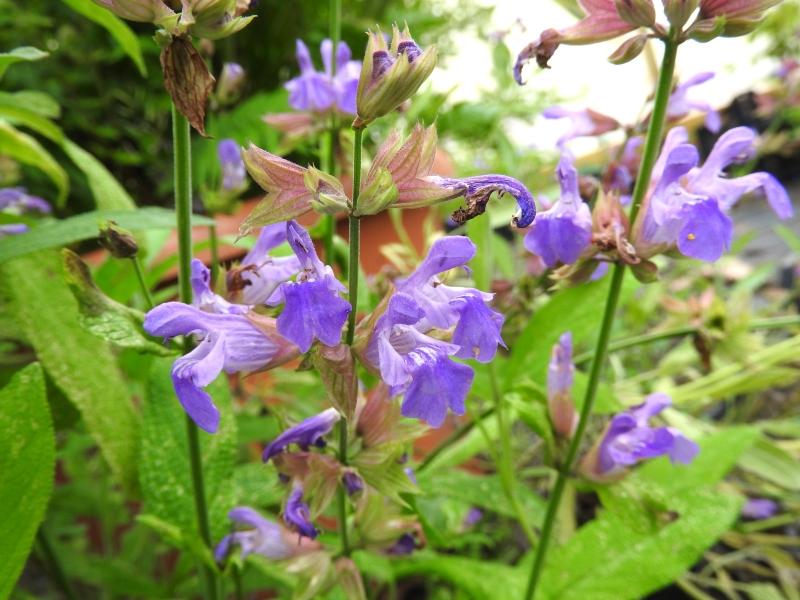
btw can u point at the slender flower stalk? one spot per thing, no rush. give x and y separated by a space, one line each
148 297
181 139
651 149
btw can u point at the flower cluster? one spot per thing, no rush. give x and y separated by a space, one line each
416 364
609 19
320 92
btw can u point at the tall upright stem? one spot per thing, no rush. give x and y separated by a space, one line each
53 566
651 147
181 139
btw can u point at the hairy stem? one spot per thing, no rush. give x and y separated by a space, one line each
651 148
181 140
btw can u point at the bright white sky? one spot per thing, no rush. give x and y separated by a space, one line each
582 73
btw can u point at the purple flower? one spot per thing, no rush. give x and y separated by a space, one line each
305 434
478 190
688 205
352 482
264 537
296 513
583 123
313 309
477 327
205 299
629 439
472 517
13 229
230 159
759 508
258 278
681 105
564 231
230 82
229 342
17 198
560 376
320 91
404 546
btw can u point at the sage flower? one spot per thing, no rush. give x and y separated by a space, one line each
17 199
305 434
234 173
629 438
560 377
317 91
296 513
680 104
262 537
562 232
759 508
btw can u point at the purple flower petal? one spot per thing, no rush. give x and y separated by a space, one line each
759 508
707 231
305 434
296 513
478 330
437 384
264 537
312 312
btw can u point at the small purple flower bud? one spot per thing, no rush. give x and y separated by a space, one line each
230 83
473 516
305 434
233 169
412 477
759 508
296 513
560 376
352 482
403 546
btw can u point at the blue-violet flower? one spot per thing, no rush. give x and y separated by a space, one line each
264 536
307 433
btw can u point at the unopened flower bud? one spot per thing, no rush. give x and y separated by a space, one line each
390 75
637 12
142 11
679 11
327 194
380 193
741 16
230 82
213 19
118 241
628 50
560 375
352 482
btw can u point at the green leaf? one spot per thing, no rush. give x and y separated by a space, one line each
107 191
578 309
25 149
16 110
165 470
27 468
479 579
105 318
183 539
23 53
484 491
79 364
770 462
55 234
36 102
613 558
118 29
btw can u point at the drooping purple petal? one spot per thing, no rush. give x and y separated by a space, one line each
312 312
296 513
234 172
477 333
352 483
305 434
438 384
263 537
707 232
204 298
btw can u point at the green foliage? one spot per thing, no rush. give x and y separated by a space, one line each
80 365
613 558
27 150
86 226
118 29
23 53
164 469
107 191
27 469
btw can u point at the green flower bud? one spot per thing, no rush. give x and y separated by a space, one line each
118 241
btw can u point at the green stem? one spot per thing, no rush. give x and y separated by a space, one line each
598 363
355 239
181 139
53 565
341 496
650 153
148 297
505 462
213 240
